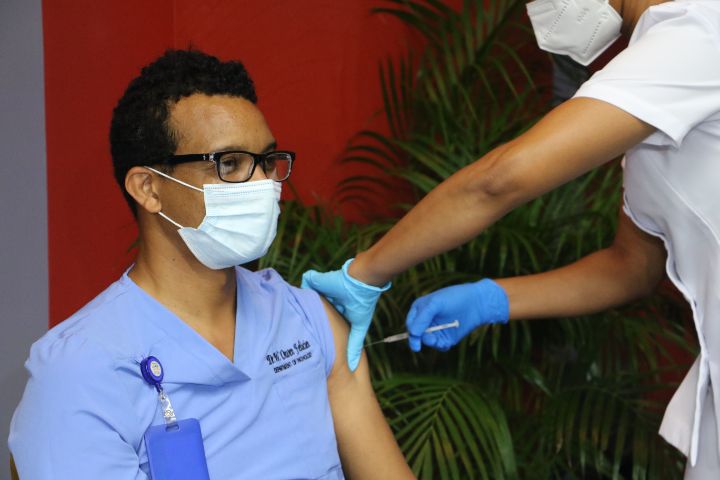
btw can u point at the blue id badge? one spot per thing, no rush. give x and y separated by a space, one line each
175 450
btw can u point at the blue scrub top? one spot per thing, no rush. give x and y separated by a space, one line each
265 416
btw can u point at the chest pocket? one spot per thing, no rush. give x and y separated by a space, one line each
303 390
307 421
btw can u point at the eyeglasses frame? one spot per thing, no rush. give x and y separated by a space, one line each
215 156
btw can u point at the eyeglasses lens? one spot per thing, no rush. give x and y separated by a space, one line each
235 167
238 167
277 166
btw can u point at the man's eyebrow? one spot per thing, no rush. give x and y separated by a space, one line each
270 147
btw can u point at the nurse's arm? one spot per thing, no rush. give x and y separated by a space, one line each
367 447
628 269
572 139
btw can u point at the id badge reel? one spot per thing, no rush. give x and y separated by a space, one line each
175 450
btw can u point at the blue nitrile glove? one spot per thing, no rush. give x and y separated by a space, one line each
472 304
352 298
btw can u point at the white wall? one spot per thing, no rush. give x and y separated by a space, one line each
23 202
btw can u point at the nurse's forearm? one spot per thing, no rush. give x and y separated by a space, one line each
629 269
453 213
592 284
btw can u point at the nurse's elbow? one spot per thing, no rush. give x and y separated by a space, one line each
496 179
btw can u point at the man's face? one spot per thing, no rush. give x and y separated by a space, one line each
206 124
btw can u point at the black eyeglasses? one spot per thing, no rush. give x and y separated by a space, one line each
236 166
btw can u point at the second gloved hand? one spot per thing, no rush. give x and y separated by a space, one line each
472 304
352 298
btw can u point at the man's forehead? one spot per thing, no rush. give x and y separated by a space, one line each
215 122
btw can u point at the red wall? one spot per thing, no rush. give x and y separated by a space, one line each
315 65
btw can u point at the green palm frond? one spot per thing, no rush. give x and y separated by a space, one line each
601 427
465 93
311 238
447 428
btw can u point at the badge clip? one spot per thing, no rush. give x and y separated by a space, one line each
153 373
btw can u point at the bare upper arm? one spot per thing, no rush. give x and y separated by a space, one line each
572 139
367 447
644 254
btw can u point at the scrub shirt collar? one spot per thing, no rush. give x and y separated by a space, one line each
186 356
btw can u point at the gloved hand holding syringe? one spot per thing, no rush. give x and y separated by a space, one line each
402 336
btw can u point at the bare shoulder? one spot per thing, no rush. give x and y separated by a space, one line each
340 330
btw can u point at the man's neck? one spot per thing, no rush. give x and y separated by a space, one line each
205 299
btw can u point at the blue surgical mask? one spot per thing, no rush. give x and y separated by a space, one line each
239 225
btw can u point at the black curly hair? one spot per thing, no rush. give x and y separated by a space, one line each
140 133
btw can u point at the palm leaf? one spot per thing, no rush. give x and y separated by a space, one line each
448 429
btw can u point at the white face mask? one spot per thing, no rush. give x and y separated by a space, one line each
239 225
581 29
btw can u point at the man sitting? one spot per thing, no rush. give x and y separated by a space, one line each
260 364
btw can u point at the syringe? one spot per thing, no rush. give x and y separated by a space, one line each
404 335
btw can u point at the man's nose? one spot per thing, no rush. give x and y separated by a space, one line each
258 174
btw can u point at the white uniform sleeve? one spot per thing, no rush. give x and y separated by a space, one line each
669 77
74 417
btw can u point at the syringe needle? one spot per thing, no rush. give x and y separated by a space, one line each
402 336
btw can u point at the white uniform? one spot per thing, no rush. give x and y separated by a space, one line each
669 77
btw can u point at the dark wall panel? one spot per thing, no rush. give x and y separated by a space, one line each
23 200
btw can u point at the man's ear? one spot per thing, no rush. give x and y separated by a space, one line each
142 185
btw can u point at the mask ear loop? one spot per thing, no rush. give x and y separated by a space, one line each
181 183
175 179
170 220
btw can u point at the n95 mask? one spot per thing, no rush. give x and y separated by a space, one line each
581 29
239 225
